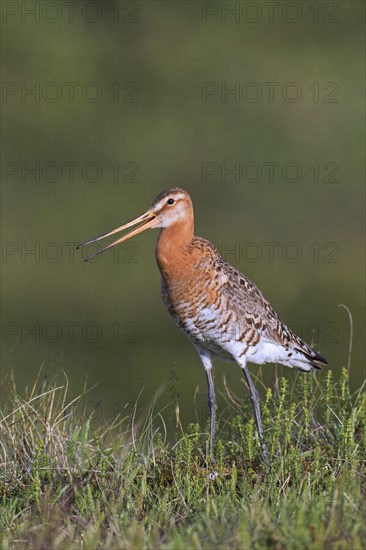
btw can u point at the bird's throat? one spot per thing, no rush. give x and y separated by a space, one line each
173 250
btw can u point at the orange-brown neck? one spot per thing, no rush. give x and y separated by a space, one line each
172 249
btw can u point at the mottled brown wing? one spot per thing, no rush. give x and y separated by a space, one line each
255 310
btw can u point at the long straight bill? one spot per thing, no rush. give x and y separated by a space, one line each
145 220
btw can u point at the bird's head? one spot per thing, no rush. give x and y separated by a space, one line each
170 207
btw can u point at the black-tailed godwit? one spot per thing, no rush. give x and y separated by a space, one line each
220 310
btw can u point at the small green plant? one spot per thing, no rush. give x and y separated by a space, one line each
65 486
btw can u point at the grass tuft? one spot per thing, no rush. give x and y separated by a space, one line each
64 484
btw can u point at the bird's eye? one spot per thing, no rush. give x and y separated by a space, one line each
170 201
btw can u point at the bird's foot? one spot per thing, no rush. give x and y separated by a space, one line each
265 455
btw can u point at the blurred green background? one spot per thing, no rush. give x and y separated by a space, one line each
153 127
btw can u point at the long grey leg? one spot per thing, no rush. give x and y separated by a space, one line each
207 363
254 397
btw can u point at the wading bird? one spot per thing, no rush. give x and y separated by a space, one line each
220 310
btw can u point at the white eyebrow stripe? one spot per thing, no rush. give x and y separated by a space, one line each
163 201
